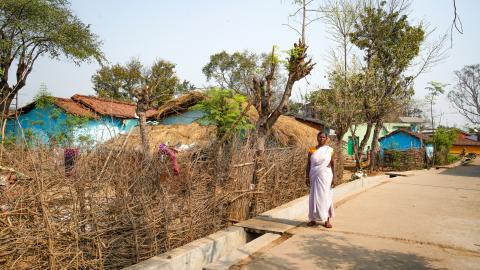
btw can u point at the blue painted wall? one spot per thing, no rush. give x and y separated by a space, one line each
40 124
184 118
400 141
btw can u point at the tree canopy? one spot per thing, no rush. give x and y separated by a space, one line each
121 81
236 71
32 28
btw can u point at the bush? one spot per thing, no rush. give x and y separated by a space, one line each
452 158
222 107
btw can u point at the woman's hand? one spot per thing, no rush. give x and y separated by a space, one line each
334 181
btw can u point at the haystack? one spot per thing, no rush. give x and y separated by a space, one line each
287 131
173 135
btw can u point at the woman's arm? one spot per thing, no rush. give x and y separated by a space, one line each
332 165
307 172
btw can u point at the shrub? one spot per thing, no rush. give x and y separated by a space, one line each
223 107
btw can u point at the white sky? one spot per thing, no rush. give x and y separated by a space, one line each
187 32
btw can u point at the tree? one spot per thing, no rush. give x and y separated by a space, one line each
33 28
443 138
184 87
339 106
466 94
223 108
120 82
236 71
232 71
434 89
157 85
389 45
148 87
117 81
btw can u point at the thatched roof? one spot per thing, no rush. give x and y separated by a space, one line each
109 107
178 105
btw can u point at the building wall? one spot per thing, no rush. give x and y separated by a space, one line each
457 149
40 124
184 118
362 130
400 142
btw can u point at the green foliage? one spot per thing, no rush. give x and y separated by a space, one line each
122 81
443 139
452 158
184 87
62 131
236 71
43 98
434 90
117 81
389 44
222 108
232 71
32 28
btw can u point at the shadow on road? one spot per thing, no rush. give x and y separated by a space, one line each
337 252
468 170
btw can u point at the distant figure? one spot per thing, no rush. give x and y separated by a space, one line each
320 177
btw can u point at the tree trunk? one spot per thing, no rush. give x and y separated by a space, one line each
143 133
339 161
374 148
433 130
362 145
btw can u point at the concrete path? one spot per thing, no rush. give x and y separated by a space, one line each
427 221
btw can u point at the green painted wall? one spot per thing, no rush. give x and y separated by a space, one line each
362 129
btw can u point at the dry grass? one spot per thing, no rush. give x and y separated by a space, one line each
172 135
116 210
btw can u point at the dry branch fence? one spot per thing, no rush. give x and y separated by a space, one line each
114 210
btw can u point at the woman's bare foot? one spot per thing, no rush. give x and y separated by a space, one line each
311 223
327 224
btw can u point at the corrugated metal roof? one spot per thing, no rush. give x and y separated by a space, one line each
408 119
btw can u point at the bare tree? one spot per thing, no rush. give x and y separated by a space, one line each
298 64
466 94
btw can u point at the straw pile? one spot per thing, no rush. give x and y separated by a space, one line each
287 131
172 135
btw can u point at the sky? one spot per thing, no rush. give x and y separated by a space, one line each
187 32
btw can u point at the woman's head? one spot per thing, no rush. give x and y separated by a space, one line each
322 138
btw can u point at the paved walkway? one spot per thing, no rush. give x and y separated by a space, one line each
428 221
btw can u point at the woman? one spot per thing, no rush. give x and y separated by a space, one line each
320 178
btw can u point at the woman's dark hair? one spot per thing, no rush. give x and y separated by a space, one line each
320 133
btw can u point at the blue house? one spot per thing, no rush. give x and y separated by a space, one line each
404 140
79 120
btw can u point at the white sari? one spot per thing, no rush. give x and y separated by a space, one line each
321 192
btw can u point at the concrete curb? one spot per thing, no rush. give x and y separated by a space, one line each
243 252
198 253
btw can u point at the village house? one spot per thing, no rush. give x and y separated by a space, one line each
410 123
464 144
407 148
79 119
